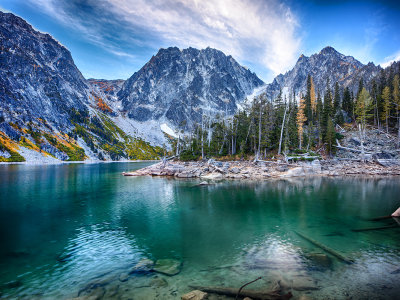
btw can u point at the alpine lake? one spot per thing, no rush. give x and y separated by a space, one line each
85 230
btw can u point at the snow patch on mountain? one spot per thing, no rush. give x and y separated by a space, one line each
165 128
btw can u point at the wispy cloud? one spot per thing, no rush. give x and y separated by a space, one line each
258 31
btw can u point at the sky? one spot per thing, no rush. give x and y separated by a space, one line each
112 39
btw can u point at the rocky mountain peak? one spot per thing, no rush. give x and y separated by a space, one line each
179 86
328 64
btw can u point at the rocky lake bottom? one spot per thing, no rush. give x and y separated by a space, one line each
86 231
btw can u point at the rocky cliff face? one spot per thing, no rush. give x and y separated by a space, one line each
326 65
181 85
48 111
38 78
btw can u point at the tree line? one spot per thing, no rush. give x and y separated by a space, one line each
293 123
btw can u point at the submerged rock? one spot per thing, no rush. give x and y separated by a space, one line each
168 267
123 277
93 293
144 265
195 295
158 282
319 260
13 284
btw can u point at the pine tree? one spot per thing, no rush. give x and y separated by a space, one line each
347 104
308 108
386 106
337 112
330 137
327 112
336 101
301 119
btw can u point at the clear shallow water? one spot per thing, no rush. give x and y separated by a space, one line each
61 227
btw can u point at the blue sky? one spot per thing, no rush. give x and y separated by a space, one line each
114 38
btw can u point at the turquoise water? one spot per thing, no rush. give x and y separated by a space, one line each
63 227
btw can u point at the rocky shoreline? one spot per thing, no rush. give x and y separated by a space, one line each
261 170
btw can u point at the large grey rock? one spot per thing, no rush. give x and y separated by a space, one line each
168 267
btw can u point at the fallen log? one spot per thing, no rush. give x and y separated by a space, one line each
375 228
244 285
253 294
326 248
351 149
380 218
396 213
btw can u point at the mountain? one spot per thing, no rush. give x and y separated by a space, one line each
109 87
48 110
38 78
181 85
326 65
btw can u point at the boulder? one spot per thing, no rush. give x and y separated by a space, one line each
212 176
195 295
235 170
144 265
168 267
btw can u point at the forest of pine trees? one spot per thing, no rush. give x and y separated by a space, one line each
305 123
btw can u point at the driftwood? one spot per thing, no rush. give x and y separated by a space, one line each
246 284
375 228
253 294
380 218
326 248
351 149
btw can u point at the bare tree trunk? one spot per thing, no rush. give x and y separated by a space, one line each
202 138
283 126
177 146
259 133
